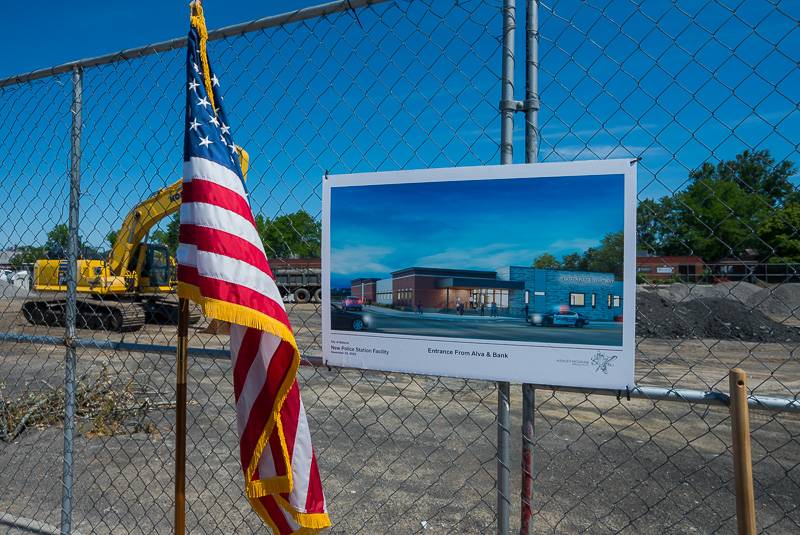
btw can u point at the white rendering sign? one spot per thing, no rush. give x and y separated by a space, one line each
519 273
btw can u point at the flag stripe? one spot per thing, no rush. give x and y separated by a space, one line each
289 413
266 467
302 454
224 243
206 191
315 500
220 269
245 356
207 170
278 461
209 215
266 398
216 288
276 515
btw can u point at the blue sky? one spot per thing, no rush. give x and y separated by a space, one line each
480 224
417 87
91 28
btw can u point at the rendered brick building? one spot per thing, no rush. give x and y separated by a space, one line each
514 290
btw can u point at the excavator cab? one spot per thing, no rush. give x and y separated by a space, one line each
156 273
152 269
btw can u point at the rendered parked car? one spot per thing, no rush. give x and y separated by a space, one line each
344 320
567 318
352 303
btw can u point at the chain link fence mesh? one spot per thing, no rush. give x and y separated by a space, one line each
414 85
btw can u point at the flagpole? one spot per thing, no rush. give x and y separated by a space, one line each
180 417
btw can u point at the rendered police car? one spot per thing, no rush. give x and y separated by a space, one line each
565 317
352 303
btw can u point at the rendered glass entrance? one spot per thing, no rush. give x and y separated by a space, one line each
487 296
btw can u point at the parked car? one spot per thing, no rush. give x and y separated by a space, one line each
352 303
344 320
567 318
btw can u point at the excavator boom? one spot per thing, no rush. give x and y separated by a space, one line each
138 223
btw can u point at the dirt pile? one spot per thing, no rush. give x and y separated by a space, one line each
707 317
781 301
736 291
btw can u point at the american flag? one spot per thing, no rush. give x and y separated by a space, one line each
222 267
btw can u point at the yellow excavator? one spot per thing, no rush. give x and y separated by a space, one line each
133 286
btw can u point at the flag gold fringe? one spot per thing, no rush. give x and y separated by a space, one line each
233 313
310 520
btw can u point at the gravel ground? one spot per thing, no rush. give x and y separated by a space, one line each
408 454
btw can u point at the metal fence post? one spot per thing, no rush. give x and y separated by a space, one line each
71 308
508 106
503 457
507 109
531 81
531 154
528 407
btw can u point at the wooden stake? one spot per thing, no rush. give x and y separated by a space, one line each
180 417
742 458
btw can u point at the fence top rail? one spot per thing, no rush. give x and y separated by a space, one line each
288 17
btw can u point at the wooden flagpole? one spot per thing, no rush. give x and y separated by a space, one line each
180 417
742 458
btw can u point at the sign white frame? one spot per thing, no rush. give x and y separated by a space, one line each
592 366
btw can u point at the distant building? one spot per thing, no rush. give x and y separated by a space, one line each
5 258
383 292
513 289
364 289
687 268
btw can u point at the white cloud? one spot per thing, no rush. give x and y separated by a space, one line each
580 244
590 151
360 259
489 257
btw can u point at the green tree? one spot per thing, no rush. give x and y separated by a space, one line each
573 262
780 231
608 257
721 211
653 225
295 235
57 242
546 261
111 238
170 235
58 238
755 172
718 218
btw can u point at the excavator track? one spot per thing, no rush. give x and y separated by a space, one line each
118 316
109 315
163 310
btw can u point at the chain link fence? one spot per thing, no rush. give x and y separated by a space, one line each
365 86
